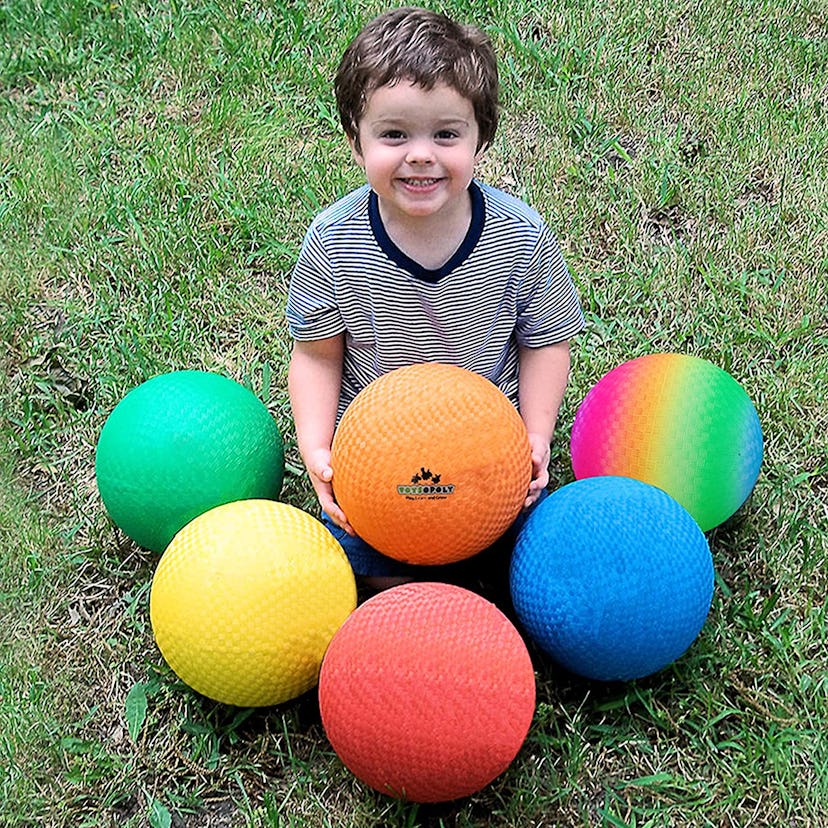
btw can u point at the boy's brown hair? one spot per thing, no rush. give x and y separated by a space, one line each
423 47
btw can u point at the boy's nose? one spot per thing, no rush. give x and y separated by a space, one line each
420 152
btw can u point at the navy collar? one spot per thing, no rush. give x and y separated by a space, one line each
406 262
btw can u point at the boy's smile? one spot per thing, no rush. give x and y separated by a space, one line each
418 148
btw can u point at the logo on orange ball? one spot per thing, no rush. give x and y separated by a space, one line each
425 484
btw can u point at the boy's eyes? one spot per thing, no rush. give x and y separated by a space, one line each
399 135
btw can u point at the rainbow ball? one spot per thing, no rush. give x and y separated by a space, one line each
246 599
431 463
427 692
180 444
612 577
677 422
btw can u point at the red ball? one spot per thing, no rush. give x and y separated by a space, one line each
427 692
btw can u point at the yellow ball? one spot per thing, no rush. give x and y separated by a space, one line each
246 599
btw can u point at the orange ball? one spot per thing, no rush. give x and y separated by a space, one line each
431 463
427 692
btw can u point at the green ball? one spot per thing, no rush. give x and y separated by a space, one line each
181 444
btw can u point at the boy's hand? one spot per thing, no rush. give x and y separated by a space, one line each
540 468
321 475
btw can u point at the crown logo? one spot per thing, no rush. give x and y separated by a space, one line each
424 483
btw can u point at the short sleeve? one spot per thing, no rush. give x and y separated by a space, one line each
548 307
312 310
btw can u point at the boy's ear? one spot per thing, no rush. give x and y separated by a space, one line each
480 152
356 154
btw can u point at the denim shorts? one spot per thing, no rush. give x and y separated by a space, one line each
365 560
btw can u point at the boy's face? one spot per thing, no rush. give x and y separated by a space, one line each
418 148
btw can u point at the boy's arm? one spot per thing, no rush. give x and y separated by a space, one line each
542 380
314 382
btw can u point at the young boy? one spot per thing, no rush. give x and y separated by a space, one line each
423 263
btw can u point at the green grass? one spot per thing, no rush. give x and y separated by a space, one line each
159 162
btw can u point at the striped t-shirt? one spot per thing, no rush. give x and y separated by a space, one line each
506 286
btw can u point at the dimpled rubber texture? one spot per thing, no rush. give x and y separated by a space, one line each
180 444
431 463
677 422
612 578
427 692
246 599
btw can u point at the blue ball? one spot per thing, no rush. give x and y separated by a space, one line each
612 577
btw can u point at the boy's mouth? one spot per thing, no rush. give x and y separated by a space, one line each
419 182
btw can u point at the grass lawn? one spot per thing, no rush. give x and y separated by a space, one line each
159 163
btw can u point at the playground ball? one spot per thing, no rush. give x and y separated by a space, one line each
180 444
245 600
427 692
612 577
431 463
677 422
